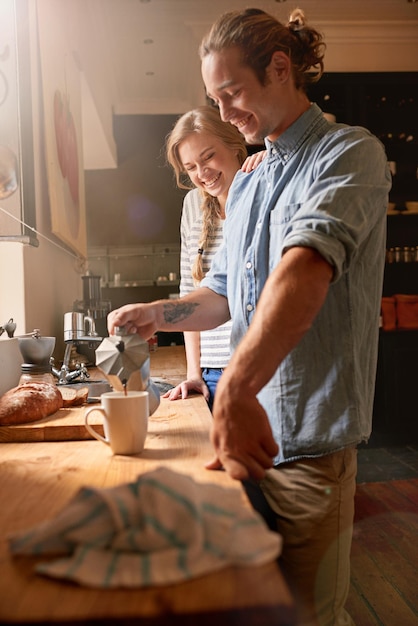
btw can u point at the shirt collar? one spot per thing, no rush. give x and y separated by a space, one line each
289 142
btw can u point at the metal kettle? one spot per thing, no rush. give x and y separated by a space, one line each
125 361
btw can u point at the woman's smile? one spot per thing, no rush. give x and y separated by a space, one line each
208 163
212 181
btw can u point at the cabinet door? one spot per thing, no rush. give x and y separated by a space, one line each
16 140
395 418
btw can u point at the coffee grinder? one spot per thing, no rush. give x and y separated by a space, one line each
36 352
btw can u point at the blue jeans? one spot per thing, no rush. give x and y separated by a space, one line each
211 376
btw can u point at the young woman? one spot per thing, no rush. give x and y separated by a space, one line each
205 154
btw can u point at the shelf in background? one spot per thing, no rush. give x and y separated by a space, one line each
144 283
402 212
135 266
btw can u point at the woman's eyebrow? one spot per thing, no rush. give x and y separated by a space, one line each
201 154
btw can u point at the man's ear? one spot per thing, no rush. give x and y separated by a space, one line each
280 65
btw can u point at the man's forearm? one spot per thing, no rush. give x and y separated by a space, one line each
200 310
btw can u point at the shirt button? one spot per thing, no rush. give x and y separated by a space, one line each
248 265
285 157
259 225
249 307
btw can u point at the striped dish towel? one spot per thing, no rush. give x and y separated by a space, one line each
161 529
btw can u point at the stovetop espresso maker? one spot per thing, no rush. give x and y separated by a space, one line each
125 361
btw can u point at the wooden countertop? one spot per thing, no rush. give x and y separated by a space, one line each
169 363
38 479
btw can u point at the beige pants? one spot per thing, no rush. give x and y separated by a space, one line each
314 503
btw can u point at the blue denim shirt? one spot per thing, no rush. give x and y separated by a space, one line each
324 186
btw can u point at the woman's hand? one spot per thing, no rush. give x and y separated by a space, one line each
182 390
253 161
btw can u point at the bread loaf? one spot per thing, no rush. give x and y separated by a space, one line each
29 402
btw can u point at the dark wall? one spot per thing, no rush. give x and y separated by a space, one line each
138 203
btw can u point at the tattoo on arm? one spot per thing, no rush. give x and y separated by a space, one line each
174 313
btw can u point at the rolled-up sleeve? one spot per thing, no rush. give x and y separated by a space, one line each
216 278
344 201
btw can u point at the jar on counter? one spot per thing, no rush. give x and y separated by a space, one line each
36 373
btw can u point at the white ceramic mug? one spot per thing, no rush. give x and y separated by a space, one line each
125 420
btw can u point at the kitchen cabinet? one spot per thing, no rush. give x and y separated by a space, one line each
402 277
402 234
17 169
395 419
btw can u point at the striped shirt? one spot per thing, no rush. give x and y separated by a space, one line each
214 344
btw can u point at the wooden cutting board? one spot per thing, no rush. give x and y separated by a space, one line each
64 425
167 363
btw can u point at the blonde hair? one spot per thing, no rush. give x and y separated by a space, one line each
204 119
258 35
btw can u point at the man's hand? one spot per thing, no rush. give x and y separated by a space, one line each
241 433
135 318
